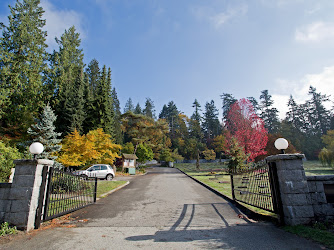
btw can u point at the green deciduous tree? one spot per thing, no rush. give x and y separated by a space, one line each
7 155
144 153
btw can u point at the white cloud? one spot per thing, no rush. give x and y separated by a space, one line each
59 20
218 19
315 32
323 82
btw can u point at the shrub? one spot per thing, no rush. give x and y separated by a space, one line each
7 155
5 229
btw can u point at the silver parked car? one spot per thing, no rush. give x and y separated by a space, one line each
101 171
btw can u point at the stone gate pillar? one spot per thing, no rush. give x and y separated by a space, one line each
293 188
24 193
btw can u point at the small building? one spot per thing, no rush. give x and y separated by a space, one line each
129 162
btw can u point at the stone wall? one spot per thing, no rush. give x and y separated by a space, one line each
4 197
20 198
303 198
323 210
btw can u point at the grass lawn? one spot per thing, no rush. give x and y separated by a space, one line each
316 168
317 233
106 186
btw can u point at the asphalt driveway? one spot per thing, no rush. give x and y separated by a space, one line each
163 209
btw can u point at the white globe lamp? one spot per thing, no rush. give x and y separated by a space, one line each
281 144
36 148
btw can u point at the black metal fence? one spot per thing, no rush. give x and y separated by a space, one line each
254 186
66 193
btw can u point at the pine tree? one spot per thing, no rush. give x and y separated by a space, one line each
196 115
211 123
319 116
76 104
94 74
89 106
269 114
22 66
149 108
68 65
255 104
228 100
195 129
137 109
104 102
118 135
129 106
43 131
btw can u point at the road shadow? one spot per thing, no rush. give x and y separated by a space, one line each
183 225
241 234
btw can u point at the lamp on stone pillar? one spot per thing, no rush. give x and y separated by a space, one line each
36 148
281 144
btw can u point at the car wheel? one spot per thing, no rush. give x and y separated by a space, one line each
109 177
83 177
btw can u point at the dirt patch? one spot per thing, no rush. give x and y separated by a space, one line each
63 221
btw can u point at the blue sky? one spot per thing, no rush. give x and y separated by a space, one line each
185 49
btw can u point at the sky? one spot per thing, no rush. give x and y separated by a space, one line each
173 50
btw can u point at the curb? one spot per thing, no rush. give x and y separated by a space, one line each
247 212
114 190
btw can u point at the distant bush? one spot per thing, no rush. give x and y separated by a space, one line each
326 157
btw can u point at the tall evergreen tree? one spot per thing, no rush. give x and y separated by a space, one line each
89 107
67 64
94 75
196 115
149 108
319 116
43 131
76 104
137 109
227 100
118 135
269 114
195 129
129 106
22 66
211 123
104 102
255 104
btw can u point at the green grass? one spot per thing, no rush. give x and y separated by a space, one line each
316 168
320 235
106 186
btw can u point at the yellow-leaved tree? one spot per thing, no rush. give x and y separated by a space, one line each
95 147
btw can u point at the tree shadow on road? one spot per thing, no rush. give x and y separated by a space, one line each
239 233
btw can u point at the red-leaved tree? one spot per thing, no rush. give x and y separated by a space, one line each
247 128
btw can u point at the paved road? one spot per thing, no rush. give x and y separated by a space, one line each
163 210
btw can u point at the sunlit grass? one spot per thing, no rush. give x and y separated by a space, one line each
106 186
